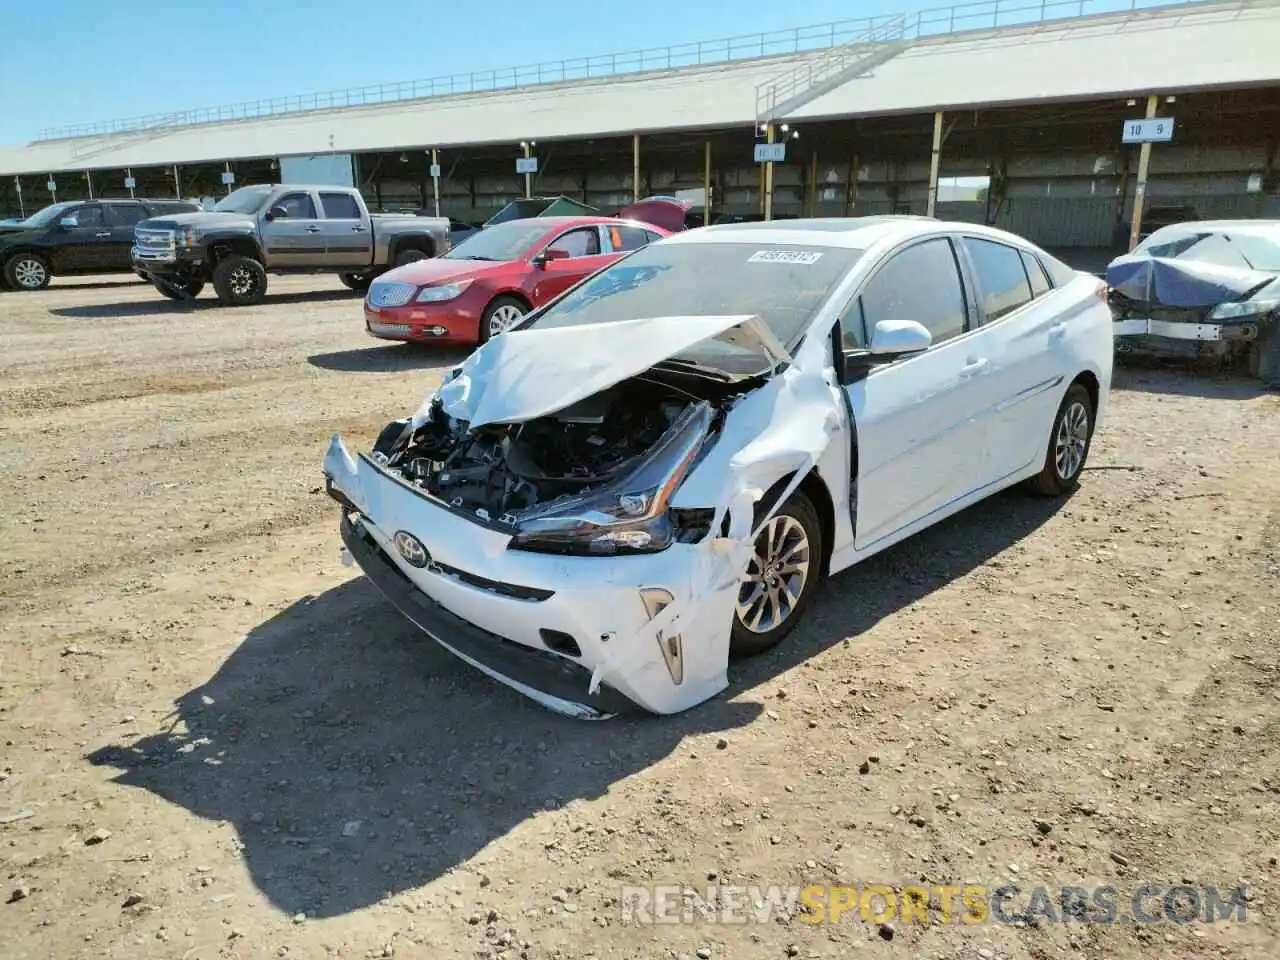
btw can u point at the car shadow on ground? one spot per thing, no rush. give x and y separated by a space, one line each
355 758
389 358
162 304
854 601
1179 379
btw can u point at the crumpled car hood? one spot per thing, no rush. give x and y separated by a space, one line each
525 374
1181 282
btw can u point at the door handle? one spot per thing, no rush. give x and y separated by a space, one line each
973 366
313 229
1058 330
105 233
357 229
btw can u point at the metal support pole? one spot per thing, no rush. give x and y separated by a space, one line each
17 186
128 174
1140 189
706 184
934 162
813 184
435 178
177 182
768 178
635 166
528 181
88 178
227 167
53 191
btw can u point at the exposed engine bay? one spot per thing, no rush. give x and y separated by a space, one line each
504 472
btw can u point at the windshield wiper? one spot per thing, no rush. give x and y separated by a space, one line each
695 365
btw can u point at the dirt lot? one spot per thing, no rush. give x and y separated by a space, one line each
215 742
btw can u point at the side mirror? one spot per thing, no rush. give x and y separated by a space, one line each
893 338
278 212
546 256
67 223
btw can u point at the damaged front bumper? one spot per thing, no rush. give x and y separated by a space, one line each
1183 330
583 636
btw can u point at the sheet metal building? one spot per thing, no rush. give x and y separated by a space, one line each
1035 106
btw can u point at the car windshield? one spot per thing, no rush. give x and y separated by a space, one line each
48 215
502 241
783 284
244 200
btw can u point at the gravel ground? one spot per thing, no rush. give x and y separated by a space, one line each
216 742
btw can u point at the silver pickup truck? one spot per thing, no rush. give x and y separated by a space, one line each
279 228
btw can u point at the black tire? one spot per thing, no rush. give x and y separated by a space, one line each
1267 351
499 306
27 271
239 281
175 291
796 515
412 255
1066 454
359 282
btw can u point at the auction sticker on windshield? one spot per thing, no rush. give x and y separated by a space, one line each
784 256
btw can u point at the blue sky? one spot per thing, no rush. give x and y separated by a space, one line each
66 62
72 61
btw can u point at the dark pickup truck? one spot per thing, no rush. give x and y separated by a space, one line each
77 237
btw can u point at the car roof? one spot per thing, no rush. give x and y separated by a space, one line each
557 223
1222 226
860 233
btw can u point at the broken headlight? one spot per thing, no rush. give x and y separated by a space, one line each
630 515
1242 308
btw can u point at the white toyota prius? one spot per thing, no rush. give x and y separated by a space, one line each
653 473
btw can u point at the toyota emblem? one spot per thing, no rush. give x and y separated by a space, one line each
411 548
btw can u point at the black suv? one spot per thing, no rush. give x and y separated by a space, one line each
82 236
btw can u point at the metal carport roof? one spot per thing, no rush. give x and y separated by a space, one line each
1176 49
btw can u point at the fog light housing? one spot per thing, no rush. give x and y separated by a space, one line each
657 599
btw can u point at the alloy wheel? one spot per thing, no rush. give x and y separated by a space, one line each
1071 441
242 281
30 273
503 318
776 575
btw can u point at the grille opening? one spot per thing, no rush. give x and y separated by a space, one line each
560 642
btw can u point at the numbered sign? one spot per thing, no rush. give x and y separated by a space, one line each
1151 130
53 187
228 178
771 152
435 171
526 165
130 183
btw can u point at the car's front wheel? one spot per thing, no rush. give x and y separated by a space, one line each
781 578
501 314
27 271
239 281
1069 440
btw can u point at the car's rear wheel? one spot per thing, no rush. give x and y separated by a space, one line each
180 291
780 580
500 315
27 271
239 281
359 282
1069 441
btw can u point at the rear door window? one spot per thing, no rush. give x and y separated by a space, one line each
339 206
627 238
124 214
1003 286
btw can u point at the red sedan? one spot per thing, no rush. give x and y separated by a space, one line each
493 278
